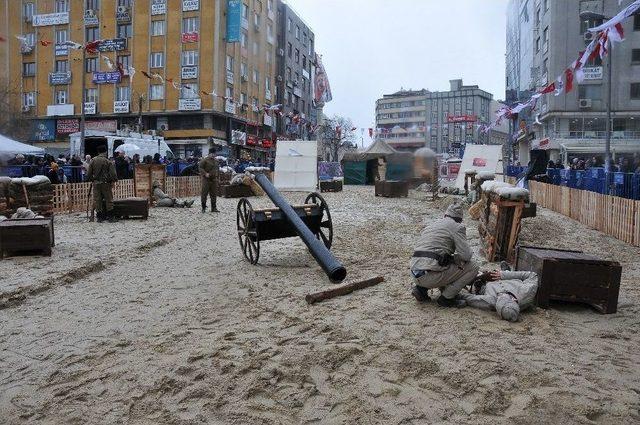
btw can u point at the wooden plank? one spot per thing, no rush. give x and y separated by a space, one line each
636 224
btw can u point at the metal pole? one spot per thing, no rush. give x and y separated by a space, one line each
82 99
607 145
140 100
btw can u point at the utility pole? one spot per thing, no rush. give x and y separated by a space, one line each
140 100
82 96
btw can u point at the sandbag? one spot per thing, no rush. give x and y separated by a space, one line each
513 193
485 175
491 185
31 181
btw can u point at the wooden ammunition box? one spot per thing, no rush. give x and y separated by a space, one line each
131 208
572 276
392 189
235 191
26 236
331 186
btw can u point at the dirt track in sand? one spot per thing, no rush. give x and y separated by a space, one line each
164 322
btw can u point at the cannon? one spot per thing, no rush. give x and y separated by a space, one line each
310 221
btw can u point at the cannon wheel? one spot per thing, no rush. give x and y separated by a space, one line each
326 225
247 232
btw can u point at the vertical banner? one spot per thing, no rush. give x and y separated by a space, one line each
234 12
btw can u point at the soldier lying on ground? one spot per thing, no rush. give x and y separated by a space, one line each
506 292
164 200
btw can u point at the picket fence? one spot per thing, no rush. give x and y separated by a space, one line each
612 215
73 197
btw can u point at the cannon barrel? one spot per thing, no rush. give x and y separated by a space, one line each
331 266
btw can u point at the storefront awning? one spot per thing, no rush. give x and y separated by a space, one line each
187 142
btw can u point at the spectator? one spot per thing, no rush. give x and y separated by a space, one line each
76 171
52 174
625 166
121 166
156 159
136 159
551 164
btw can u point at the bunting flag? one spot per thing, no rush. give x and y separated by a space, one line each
132 72
72 44
23 40
46 43
549 89
120 69
2 39
616 33
107 61
157 77
92 47
624 14
568 76
146 74
559 86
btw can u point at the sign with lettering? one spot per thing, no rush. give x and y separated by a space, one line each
121 107
91 20
190 37
67 126
62 50
59 78
267 120
112 45
189 72
461 118
50 19
123 15
188 5
234 14
592 73
89 108
229 106
110 77
190 104
102 125
158 7
44 130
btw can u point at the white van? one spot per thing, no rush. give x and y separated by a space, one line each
134 143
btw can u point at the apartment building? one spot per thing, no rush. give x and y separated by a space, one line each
444 121
213 66
296 66
543 39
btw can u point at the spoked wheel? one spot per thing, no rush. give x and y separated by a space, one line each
326 225
247 232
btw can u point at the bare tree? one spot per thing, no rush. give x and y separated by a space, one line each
13 122
337 134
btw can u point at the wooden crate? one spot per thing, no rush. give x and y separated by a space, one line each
331 186
500 225
26 235
235 191
392 189
131 208
572 276
145 175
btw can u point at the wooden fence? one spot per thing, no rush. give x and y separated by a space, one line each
73 197
618 217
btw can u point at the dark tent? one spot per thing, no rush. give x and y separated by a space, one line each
361 167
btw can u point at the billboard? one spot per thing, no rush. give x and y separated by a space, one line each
67 126
50 19
111 77
44 130
234 13
158 7
102 125
112 45
59 78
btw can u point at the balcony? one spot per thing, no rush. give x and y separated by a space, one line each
599 137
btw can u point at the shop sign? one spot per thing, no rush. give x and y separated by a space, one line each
111 77
189 72
267 120
50 19
121 107
123 15
67 126
112 45
158 7
190 104
102 125
90 108
91 20
230 106
238 137
44 130
62 50
592 73
59 78
189 5
190 37
461 118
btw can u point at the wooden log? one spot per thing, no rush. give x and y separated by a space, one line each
342 290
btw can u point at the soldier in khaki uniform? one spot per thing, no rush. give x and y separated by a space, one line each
209 170
102 173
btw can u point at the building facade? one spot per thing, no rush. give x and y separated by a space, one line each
296 67
572 124
443 121
212 65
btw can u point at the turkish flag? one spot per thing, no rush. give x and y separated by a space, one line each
549 89
568 75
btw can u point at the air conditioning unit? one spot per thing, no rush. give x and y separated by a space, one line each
245 78
280 52
89 13
584 103
123 9
279 78
26 108
588 36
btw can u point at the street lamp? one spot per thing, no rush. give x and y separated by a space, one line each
588 16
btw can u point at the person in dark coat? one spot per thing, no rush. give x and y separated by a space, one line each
53 175
122 169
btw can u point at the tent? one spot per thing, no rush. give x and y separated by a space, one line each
480 158
9 148
296 166
361 167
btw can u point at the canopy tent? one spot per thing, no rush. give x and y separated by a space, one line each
380 149
9 148
362 167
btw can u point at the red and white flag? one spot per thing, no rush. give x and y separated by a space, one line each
568 78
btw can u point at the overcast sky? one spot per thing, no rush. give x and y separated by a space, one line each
375 47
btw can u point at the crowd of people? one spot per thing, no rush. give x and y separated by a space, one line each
624 164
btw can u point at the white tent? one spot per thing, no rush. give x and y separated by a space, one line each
10 148
296 165
481 158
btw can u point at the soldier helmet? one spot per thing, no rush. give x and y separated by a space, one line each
507 308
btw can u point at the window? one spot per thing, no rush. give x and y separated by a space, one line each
256 19
92 33
91 95
268 54
229 93
27 10
190 25
245 11
123 93
91 65
538 12
62 66
256 48
157 60
243 39
297 32
243 99
288 74
243 69
305 38
92 4
297 77
256 76
61 97
289 98
593 92
62 6
267 84
635 55
190 91
157 28
635 91
289 49
636 23
289 24
537 44
269 31
302 105
30 39
124 31
156 92
29 99
545 39
29 69
125 61
229 63
125 3
270 5
297 56
190 58
304 61
61 36
545 4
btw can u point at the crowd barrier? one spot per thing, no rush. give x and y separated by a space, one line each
612 215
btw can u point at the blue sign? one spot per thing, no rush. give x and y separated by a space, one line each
44 130
106 77
234 13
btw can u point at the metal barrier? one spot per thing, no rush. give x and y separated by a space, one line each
623 185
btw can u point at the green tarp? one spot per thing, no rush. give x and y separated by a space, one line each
355 172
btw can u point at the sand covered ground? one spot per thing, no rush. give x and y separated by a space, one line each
164 322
